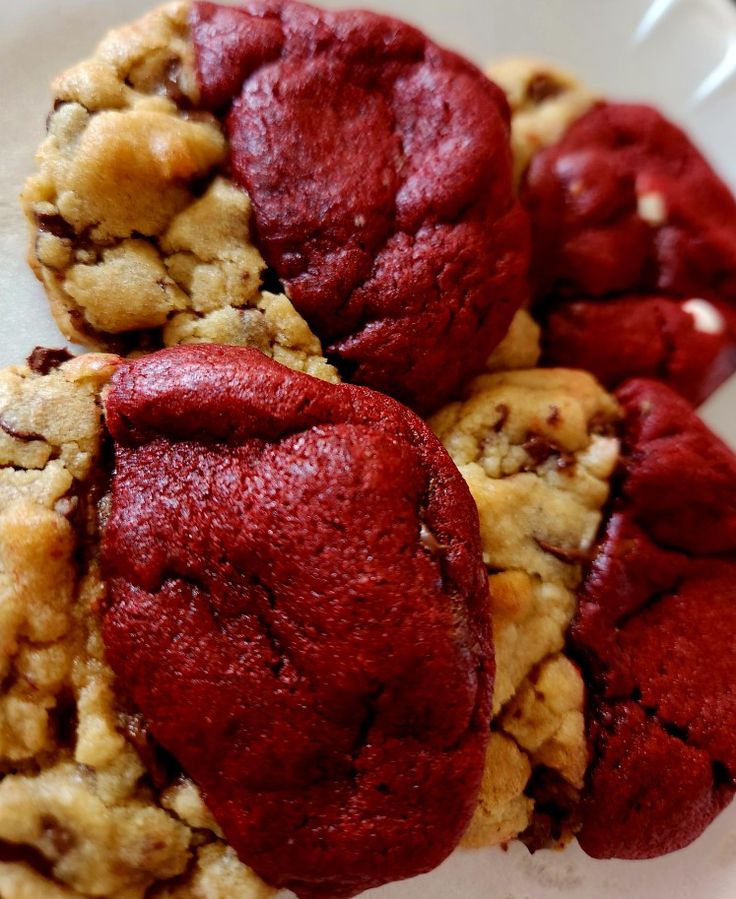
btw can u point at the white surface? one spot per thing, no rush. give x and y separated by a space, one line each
678 54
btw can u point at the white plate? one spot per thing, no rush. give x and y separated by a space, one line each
679 54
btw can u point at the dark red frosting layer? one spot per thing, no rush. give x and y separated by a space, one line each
625 203
380 173
655 628
643 336
297 604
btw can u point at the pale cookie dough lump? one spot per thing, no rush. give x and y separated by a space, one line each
125 154
49 418
126 288
537 449
520 348
217 874
80 813
132 221
20 881
544 101
504 811
36 589
545 717
98 848
272 326
50 429
531 616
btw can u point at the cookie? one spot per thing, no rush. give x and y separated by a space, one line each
537 450
653 629
380 176
544 101
406 255
140 238
625 203
689 344
327 687
89 806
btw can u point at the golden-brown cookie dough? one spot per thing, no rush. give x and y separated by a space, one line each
139 237
537 450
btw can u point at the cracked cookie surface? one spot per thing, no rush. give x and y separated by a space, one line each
537 449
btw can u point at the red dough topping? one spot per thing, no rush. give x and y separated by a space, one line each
297 604
655 626
380 172
688 344
625 203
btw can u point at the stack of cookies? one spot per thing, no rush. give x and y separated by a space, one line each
334 552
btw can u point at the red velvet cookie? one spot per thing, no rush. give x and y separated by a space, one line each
655 628
625 203
380 172
297 604
688 344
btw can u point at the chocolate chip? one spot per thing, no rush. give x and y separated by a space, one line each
54 223
270 281
543 87
162 768
65 717
571 555
17 433
556 810
44 359
60 838
11 853
539 449
503 416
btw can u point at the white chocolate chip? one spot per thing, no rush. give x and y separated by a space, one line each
652 208
708 319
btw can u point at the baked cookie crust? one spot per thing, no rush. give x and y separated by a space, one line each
538 450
